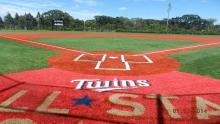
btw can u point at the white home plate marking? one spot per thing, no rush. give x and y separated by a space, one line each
147 60
113 57
100 63
104 58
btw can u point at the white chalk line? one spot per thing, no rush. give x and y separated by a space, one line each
98 66
86 60
148 60
37 43
123 60
78 51
182 48
100 62
79 57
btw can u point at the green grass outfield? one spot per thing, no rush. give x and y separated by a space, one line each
203 62
17 57
115 44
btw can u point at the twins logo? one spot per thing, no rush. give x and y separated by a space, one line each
109 85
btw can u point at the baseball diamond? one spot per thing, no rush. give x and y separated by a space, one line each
77 79
60 68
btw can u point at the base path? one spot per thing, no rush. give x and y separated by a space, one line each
100 87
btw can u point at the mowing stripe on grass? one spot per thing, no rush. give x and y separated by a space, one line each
47 45
17 57
181 48
125 44
203 62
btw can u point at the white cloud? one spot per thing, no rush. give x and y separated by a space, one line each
87 2
22 7
123 8
31 4
85 14
14 6
15 9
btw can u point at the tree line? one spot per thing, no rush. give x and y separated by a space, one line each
185 24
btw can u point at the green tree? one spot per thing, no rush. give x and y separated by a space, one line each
138 23
104 22
22 22
30 22
52 15
16 21
190 24
9 21
77 25
120 23
1 23
26 21
211 24
39 20
90 25
217 29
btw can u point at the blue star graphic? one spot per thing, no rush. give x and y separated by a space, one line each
85 100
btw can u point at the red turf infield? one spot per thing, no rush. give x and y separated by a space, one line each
50 95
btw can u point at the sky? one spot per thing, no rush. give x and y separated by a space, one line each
87 9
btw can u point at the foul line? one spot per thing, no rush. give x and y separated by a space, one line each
182 48
83 52
37 43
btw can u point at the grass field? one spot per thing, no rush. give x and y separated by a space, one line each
115 44
16 57
203 62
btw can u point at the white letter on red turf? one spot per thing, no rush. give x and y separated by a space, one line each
202 105
80 85
115 98
44 107
17 121
167 104
10 100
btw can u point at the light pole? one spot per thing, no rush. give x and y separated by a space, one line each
168 15
84 25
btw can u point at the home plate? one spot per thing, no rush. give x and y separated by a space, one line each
113 57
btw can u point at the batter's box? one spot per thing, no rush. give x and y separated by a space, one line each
90 58
137 59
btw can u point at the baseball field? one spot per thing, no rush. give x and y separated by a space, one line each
80 78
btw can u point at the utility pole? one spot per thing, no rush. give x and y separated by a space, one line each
84 25
168 16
